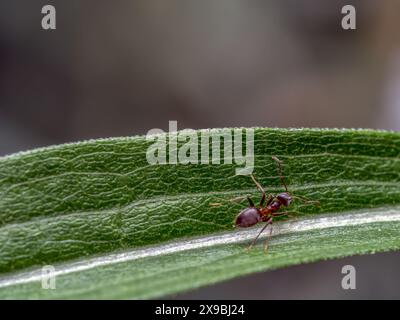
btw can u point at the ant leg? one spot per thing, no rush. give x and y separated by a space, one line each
268 222
259 188
262 201
215 204
280 171
266 201
239 199
280 214
267 240
306 200
270 198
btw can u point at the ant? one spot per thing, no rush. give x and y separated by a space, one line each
265 213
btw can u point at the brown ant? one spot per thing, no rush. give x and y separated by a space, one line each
265 213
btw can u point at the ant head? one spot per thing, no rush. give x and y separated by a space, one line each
285 198
248 217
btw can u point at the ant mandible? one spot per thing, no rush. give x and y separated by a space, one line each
268 207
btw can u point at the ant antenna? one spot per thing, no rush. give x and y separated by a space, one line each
281 176
306 200
280 171
257 184
264 195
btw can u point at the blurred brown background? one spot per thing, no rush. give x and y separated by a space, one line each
124 67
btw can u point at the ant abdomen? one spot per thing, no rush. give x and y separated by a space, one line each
248 217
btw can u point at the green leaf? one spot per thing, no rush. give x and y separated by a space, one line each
115 226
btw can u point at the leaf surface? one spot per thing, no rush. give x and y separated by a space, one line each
69 205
